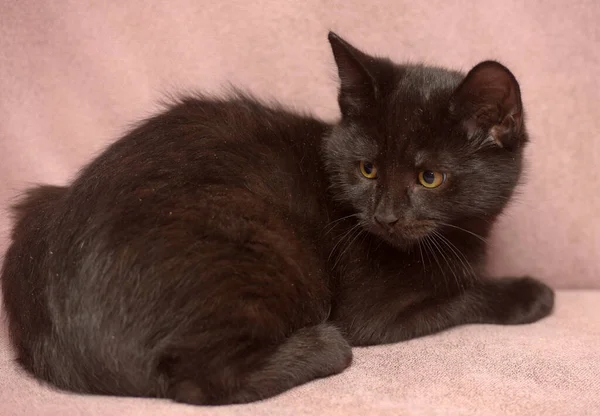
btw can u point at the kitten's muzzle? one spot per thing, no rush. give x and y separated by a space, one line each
390 226
386 222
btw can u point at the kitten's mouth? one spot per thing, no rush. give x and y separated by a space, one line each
403 234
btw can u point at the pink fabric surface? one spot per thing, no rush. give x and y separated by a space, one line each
74 74
548 368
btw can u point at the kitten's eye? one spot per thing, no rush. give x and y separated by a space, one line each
431 179
368 169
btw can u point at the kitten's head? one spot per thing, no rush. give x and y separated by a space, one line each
420 148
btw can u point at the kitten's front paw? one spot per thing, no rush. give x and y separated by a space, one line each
526 300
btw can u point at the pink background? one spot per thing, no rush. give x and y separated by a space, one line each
74 75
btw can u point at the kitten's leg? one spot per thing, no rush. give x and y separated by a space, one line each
310 353
507 301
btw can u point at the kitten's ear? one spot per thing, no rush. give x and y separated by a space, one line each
358 89
488 103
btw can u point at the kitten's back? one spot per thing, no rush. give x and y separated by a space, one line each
153 261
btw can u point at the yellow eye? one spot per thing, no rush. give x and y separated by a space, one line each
368 169
431 179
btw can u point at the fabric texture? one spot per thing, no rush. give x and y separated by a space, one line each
74 75
548 368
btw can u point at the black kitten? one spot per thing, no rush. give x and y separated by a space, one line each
226 251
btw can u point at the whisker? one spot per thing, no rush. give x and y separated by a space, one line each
342 238
428 242
360 231
421 252
426 253
459 256
462 229
466 262
335 222
448 263
455 267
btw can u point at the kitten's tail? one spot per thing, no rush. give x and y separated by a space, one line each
22 279
34 207
39 197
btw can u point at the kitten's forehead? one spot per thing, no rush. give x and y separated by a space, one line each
415 116
422 83
415 110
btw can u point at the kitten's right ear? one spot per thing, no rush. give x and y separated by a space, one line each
358 89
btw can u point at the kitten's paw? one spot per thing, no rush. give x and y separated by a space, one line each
527 300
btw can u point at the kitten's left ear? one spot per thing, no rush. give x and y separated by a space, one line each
488 104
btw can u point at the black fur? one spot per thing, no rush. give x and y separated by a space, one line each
225 251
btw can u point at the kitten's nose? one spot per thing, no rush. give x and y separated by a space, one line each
386 221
